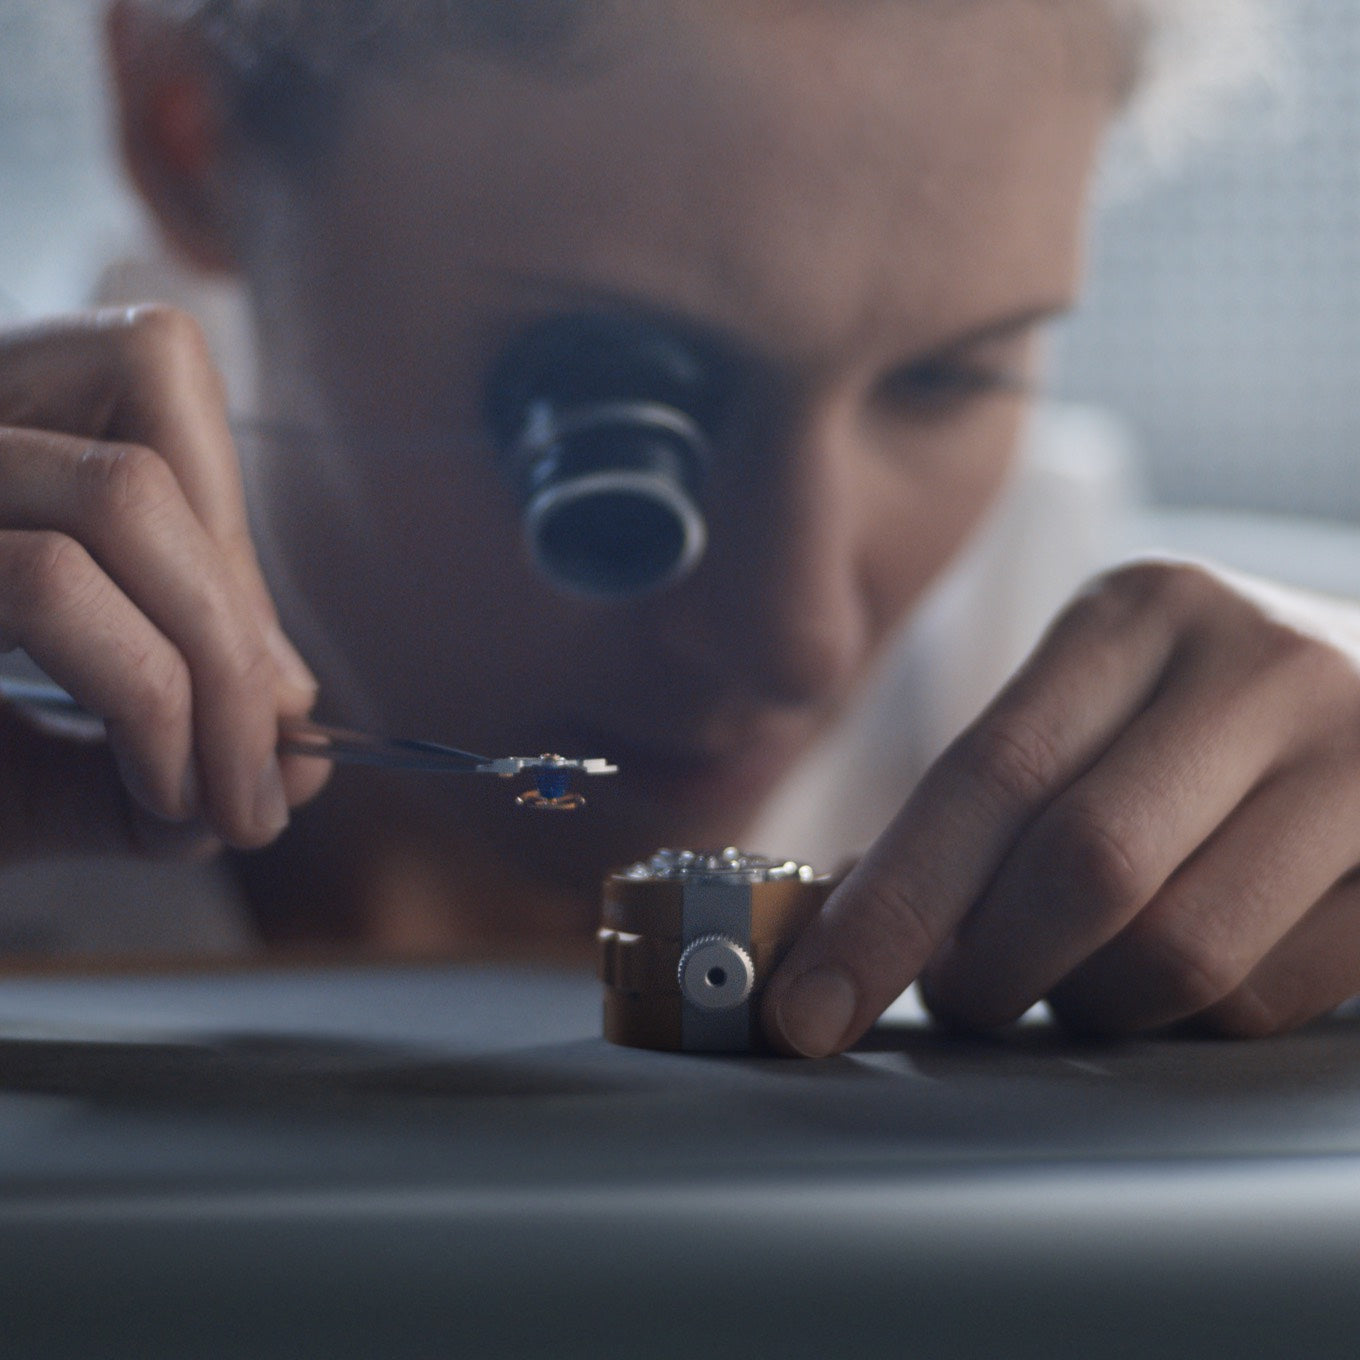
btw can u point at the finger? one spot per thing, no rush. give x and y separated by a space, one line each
1312 971
1228 909
1097 667
132 375
124 504
69 797
1107 846
85 633
144 376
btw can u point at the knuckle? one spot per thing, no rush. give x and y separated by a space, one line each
159 696
154 332
1310 665
123 483
253 663
243 663
226 645
239 547
893 926
48 571
1289 663
1198 966
162 347
1276 638
1102 607
1163 585
1081 844
1013 758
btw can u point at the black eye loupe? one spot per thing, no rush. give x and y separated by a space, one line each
600 422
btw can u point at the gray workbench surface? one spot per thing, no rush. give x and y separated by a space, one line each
420 1162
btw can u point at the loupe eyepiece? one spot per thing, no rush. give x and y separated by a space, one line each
599 422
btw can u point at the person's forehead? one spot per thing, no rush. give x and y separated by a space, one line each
719 154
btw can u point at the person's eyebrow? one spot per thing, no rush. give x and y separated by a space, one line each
1006 328
721 337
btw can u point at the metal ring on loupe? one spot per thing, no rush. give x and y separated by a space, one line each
658 490
586 501
546 427
578 395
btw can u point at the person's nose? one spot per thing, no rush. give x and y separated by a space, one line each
778 605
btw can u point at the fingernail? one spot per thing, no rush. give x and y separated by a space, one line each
190 799
815 1012
291 666
135 784
271 802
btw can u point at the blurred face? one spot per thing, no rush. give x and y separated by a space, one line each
865 211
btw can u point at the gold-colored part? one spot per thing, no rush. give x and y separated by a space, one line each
568 802
641 939
643 1021
655 907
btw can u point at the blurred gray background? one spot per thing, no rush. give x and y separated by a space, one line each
62 209
1223 321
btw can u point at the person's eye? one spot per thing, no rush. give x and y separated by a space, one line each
940 387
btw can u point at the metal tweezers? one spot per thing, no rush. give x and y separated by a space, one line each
299 737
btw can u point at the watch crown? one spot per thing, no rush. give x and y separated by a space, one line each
715 973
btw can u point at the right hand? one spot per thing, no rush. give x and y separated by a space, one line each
127 573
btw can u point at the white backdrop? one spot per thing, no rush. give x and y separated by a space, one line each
1224 316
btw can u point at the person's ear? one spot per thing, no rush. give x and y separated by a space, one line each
172 130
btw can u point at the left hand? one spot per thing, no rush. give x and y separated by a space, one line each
1157 820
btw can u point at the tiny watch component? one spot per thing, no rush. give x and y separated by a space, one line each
689 939
552 790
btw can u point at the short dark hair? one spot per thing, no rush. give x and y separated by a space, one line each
284 62
330 35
